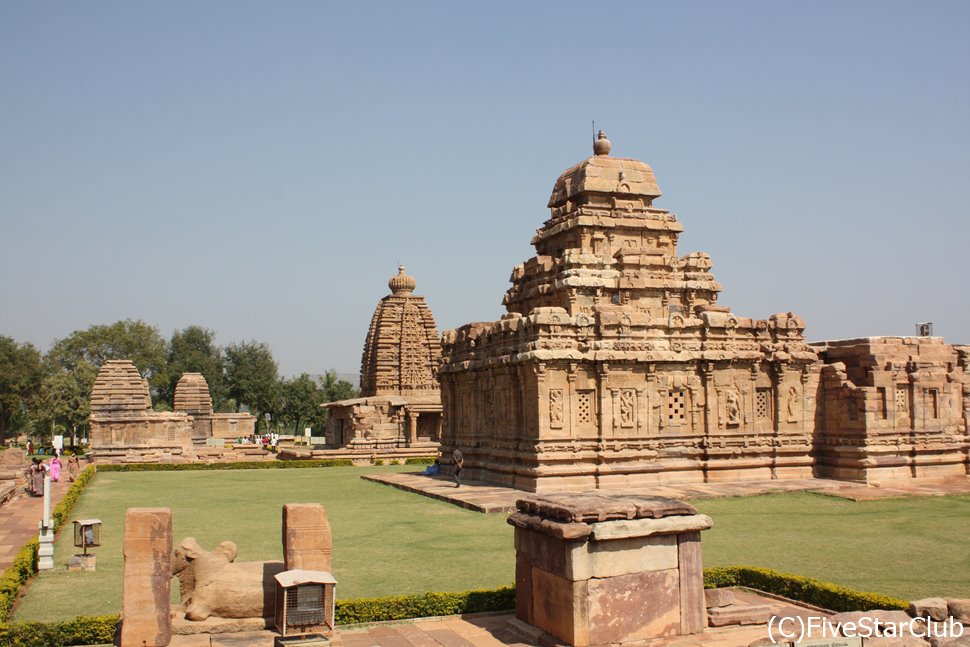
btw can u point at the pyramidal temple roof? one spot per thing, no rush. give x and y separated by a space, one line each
402 347
192 394
120 389
604 174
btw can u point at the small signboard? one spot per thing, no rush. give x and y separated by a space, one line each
58 443
306 431
830 642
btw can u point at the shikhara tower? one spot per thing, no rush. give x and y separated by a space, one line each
614 367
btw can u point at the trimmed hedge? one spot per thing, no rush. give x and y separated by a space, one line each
420 460
402 607
83 630
804 589
242 465
23 567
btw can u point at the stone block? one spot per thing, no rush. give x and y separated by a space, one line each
934 608
959 608
307 541
147 548
739 614
622 529
714 598
634 607
559 607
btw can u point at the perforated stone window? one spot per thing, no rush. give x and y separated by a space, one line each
676 405
901 398
763 404
584 406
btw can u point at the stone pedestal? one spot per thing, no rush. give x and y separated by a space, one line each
82 563
307 542
596 570
45 552
145 618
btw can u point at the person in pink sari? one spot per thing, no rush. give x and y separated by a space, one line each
55 468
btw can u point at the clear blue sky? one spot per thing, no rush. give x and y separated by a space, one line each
261 168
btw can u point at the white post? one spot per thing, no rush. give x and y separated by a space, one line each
45 551
47 502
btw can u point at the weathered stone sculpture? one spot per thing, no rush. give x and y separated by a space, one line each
613 367
212 583
400 403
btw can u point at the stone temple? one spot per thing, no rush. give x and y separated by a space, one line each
614 367
123 425
400 403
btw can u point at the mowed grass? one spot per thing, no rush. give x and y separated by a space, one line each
387 541
909 548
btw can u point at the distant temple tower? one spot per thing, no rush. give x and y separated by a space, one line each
613 367
400 403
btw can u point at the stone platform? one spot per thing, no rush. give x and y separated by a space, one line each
493 630
488 498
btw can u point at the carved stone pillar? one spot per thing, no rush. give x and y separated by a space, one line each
413 427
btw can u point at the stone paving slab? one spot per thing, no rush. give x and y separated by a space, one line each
19 518
488 498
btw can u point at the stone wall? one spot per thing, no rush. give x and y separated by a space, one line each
891 409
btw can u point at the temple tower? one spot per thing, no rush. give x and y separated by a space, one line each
400 403
613 367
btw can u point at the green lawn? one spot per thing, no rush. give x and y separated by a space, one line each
388 541
909 548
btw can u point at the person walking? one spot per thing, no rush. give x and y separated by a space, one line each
459 462
37 473
55 467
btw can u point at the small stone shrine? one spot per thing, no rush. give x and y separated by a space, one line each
892 409
599 570
192 397
400 403
614 367
123 424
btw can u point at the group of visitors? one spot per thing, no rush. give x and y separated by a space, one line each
38 469
266 440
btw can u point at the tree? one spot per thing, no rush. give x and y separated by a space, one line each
21 372
252 377
134 340
64 398
302 397
193 350
335 389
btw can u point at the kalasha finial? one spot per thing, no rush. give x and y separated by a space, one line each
402 284
602 145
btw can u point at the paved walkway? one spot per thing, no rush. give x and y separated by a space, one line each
19 518
483 497
493 630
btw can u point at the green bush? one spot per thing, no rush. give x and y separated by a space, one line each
804 589
402 607
242 465
63 509
83 630
23 567
420 460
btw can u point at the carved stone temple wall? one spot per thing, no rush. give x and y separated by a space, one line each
123 425
400 403
614 367
893 408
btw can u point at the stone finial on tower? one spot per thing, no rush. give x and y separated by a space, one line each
602 145
401 284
